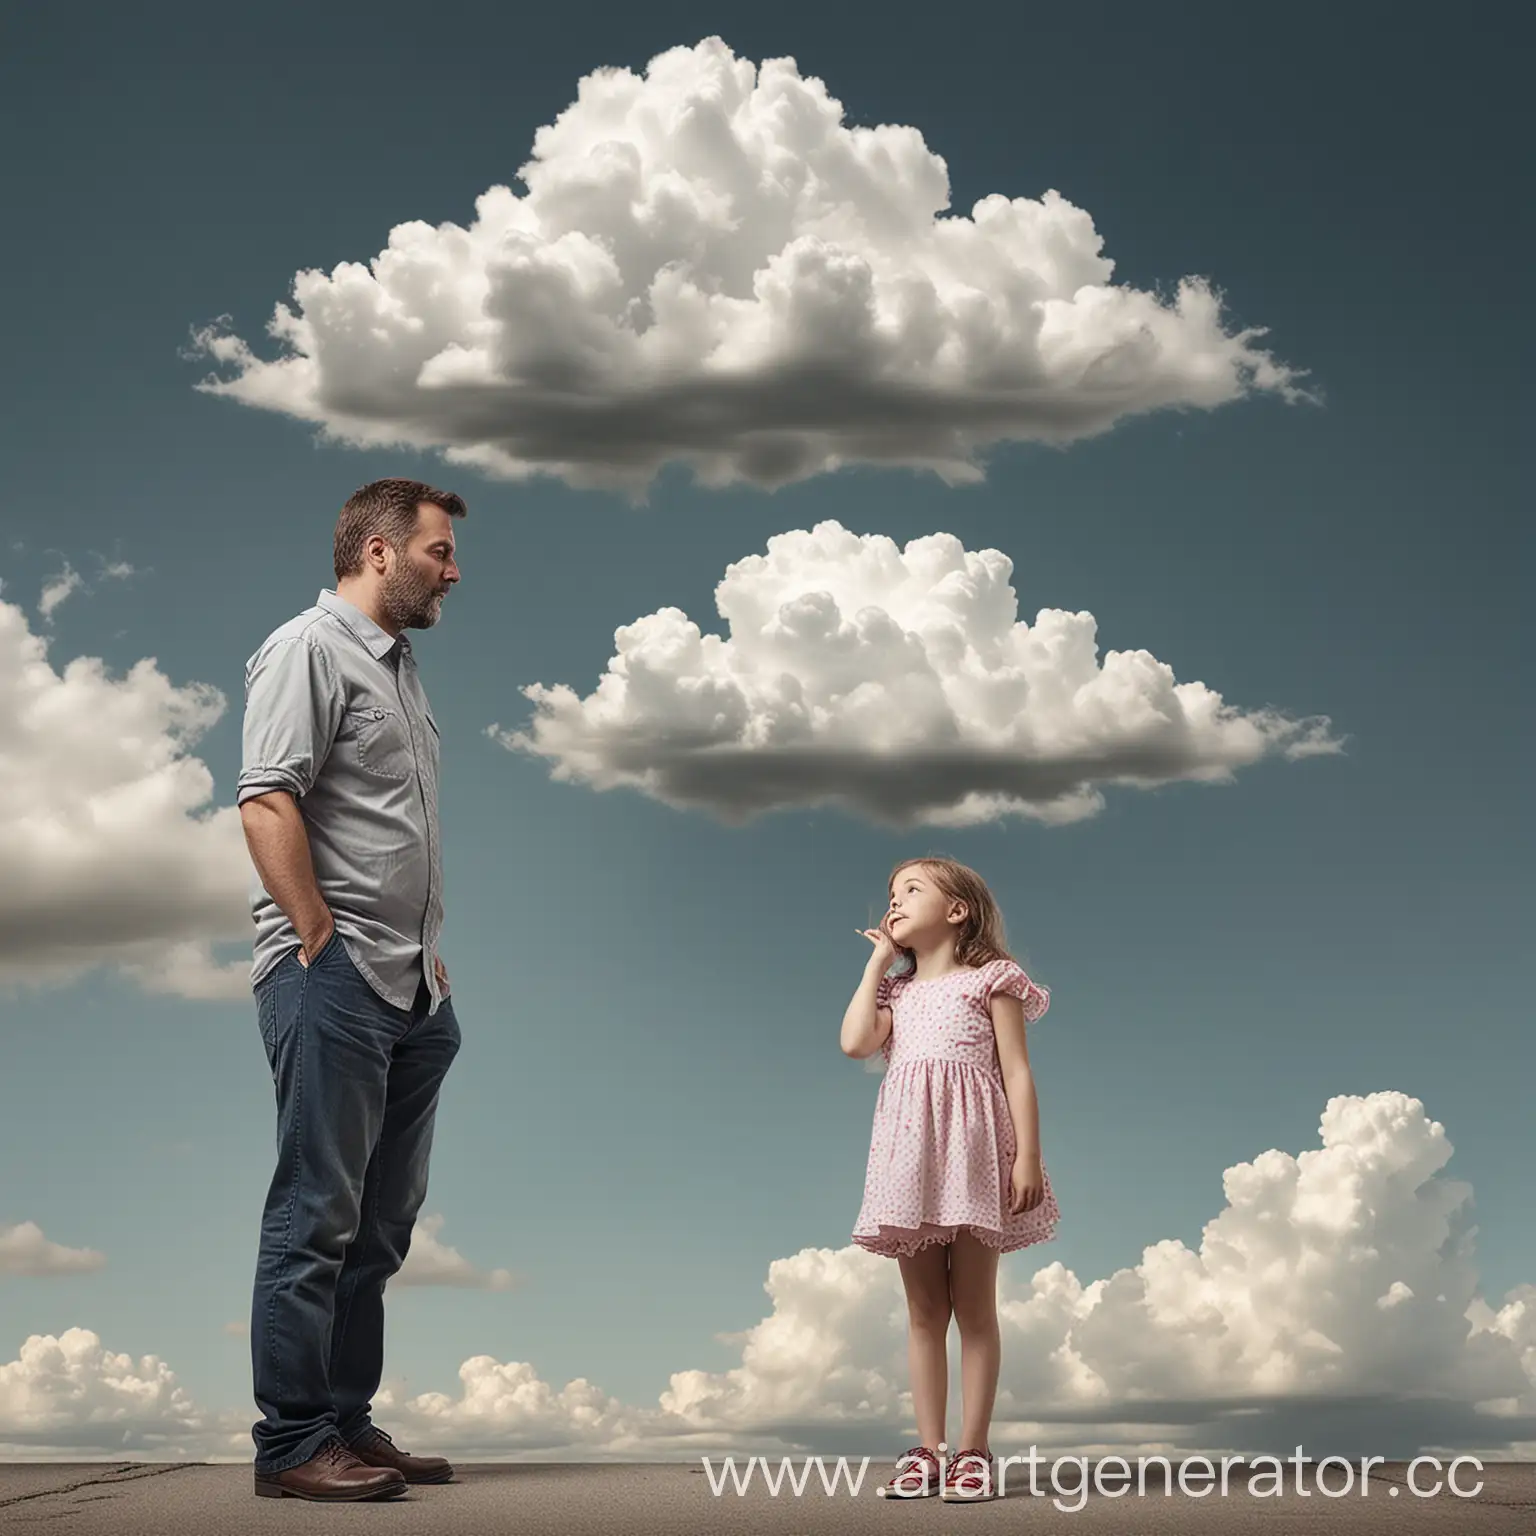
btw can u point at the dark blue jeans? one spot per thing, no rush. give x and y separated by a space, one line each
357 1081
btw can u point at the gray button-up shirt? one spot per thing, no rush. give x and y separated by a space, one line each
335 714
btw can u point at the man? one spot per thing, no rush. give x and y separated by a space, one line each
338 797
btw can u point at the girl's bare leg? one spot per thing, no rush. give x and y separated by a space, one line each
926 1278
973 1294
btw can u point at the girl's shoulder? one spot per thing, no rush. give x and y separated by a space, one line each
1006 976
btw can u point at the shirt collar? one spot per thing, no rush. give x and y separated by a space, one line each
379 641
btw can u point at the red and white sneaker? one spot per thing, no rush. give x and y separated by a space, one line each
916 1476
968 1478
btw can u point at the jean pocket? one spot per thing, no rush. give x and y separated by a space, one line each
382 742
266 1012
332 940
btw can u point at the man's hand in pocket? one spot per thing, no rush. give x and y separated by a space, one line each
442 975
308 951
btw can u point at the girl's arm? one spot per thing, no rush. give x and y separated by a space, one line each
865 1027
1018 1080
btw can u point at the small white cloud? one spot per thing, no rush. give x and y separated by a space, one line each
111 851
25 1251
56 590
710 266
431 1262
898 684
69 581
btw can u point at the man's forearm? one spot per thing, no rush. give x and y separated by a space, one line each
279 847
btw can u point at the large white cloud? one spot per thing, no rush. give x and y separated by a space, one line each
1335 1293
67 1396
24 1250
710 266
1332 1302
899 684
111 851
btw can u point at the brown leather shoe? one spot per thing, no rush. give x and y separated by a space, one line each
332 1474
378 1450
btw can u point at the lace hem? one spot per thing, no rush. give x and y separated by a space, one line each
903 1242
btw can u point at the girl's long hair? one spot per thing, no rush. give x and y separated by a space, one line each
980 937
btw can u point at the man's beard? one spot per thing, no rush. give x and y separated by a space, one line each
408 598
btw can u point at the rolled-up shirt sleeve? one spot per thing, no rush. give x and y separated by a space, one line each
293 712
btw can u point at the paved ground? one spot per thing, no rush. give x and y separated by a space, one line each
143 1499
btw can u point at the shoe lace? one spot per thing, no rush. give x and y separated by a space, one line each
911 1460
338 1453
973 1465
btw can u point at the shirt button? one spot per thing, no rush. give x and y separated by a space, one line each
378 714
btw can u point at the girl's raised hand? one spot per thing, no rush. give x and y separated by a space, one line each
886 948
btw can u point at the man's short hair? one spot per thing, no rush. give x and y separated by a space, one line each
387 507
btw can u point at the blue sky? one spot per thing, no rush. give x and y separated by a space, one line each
650 1121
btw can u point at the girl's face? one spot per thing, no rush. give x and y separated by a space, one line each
918 907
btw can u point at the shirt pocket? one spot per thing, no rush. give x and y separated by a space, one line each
382 742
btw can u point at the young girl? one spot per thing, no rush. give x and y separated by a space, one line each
955 1176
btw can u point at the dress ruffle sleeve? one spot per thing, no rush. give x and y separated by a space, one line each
885 989
1008 976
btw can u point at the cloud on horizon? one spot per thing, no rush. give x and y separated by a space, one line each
710 267
1332 1300
897 684
64 1398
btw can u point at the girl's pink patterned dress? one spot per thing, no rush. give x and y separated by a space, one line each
941 1153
